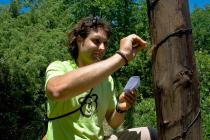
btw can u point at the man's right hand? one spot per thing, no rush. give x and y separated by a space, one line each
132 44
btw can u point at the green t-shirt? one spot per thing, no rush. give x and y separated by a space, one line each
86 123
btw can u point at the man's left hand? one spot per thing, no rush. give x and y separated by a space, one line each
127 100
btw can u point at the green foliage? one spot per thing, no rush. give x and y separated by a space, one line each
201 28
203 64
142 115
29 42
14 8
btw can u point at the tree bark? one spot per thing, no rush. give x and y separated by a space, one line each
176 86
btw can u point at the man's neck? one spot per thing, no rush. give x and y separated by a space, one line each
81 63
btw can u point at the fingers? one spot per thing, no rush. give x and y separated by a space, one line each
132 44
126 100
137 42
130 97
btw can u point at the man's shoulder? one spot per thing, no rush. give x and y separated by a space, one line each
59 62
67 64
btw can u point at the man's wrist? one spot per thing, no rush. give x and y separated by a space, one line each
125 58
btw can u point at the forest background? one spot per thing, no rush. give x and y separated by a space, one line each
30 41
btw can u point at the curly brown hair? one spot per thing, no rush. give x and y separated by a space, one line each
82 29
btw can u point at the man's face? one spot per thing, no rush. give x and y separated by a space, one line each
92 48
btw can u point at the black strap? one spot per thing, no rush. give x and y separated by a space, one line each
69 113
64 115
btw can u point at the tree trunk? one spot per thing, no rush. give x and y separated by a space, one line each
176 85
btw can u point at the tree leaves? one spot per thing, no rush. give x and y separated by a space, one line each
201 28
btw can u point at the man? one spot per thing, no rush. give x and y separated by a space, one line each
80 91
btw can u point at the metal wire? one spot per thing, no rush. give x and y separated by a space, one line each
184 132
179 32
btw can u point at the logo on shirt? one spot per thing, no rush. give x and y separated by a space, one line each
88 104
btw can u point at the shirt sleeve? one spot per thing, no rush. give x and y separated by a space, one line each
54 69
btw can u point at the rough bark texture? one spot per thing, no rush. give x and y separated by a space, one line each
176 85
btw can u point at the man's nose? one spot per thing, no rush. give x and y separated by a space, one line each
102 46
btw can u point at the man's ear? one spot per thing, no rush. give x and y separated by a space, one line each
79 40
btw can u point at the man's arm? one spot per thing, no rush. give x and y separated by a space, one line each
114 117
77 81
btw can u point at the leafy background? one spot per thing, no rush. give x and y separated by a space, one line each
30 41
